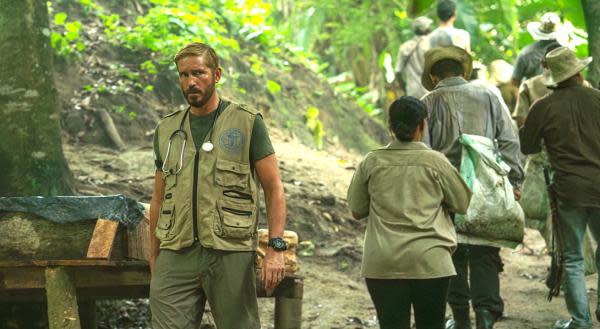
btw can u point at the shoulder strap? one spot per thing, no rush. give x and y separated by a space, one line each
412 52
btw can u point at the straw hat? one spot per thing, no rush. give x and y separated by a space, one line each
435 55
546 29
563 64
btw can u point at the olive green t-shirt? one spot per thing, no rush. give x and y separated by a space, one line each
200 125
407 190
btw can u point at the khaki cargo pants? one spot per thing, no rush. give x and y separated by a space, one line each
184 280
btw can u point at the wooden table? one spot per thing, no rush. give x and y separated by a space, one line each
71 287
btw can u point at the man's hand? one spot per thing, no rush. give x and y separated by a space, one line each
273 269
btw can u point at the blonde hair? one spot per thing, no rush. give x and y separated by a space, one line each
199 49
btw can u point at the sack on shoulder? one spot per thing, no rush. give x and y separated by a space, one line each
493 213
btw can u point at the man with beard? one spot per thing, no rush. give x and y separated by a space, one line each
210 159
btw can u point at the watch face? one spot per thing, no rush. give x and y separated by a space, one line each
278 244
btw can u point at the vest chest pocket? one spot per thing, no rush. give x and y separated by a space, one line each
236 220
232 174
165 221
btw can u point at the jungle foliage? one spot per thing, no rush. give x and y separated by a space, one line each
353 43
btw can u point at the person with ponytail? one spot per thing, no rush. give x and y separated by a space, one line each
406 193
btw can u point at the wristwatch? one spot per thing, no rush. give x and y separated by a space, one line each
277 243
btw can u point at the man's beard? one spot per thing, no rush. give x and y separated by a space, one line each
199 98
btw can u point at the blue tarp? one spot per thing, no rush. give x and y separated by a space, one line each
67 209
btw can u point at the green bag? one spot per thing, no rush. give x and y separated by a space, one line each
493 213
534 197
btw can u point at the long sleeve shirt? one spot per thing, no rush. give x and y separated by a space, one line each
407 191
478 111
568 122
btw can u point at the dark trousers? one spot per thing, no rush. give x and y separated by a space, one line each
484 265
393 299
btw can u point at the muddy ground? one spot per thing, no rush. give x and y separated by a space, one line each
315 182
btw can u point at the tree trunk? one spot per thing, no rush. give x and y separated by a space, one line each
591 10
31 156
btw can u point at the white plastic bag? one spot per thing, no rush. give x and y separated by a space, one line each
493 213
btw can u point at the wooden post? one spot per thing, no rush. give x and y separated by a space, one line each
288 313
63 312
288 303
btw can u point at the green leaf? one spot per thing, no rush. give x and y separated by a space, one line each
149 67
312 113
273 87
73 26
55 37
60 18
72 36
80 46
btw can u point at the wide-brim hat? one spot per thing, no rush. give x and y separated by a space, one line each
548 28
563 64
435 55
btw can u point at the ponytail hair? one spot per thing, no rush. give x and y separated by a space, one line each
405 115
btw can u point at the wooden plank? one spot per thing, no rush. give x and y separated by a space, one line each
138 240
31 278
73 263
63 312
103 239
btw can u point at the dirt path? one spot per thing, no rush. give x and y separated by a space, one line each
316 182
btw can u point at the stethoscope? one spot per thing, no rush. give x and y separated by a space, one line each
207 146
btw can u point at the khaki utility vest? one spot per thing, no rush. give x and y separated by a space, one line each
217 188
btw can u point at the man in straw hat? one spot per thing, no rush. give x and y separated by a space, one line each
545 32
409 66
568 122
478 111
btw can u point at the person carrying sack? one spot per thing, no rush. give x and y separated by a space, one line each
567 121
457 107
409 65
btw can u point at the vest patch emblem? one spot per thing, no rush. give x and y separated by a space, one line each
232 140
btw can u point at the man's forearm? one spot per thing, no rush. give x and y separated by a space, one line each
275 203
154 212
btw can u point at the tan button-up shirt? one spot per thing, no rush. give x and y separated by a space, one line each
407 190
478 111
